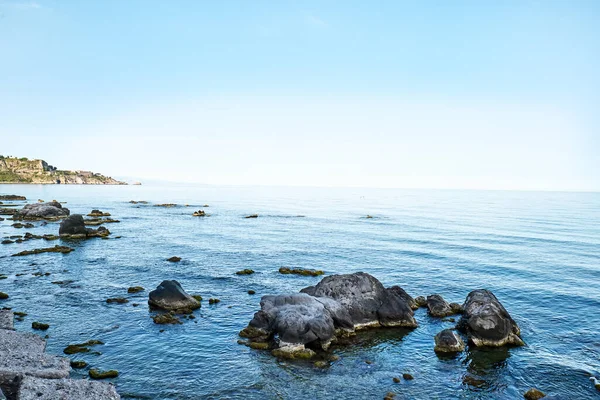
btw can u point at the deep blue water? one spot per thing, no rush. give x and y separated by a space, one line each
539 252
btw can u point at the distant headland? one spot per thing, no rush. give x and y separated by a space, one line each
24 170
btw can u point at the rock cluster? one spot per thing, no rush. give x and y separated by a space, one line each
27 373
294 325
52 210
336 306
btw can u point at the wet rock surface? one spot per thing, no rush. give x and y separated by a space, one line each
169 295
438 307
448 341
486 322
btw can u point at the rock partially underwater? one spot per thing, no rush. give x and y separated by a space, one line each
486 322
337 306
74 228
170 296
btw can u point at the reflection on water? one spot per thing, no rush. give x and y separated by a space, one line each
538 252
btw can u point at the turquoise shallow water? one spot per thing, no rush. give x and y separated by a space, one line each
538 252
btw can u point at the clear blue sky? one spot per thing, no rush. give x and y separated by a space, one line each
456 94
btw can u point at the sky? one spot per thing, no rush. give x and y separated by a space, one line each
419 94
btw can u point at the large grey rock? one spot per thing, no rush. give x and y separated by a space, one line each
337 305
365 299
169 295
50 210
486 321
447 341
65 389
300 319
6 319
74 225
438 307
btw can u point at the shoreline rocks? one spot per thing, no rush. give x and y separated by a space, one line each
55 249
27 372
487 323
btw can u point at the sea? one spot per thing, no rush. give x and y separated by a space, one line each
538 252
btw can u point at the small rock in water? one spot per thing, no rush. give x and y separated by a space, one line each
78 364
447 341
396 379
39 326
251 216
174 259
407 376
246 271
534 394
97 374
300 271
251 291
167 318
213 301
389 396
135 289
118 300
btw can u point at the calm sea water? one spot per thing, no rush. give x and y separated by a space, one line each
538 252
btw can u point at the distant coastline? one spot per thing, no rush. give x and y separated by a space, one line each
14 170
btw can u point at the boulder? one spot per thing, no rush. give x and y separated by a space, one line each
447 341
65 389
74 227
438 307
49 210
486 321
169 295
365 299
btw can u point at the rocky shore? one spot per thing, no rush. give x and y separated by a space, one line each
23 170
28 373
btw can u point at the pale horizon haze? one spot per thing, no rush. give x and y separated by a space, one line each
390 94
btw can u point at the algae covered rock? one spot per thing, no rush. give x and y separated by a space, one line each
169 295
534 394
300 271
81 347
55 249
246 271
486 322
166 318
174 259
39 326
135 289
97 374
74 227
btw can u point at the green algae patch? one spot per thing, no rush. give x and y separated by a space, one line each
39 326
300 271
300 354
55 249
197 297
165 319
258 345
81 347
97 374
